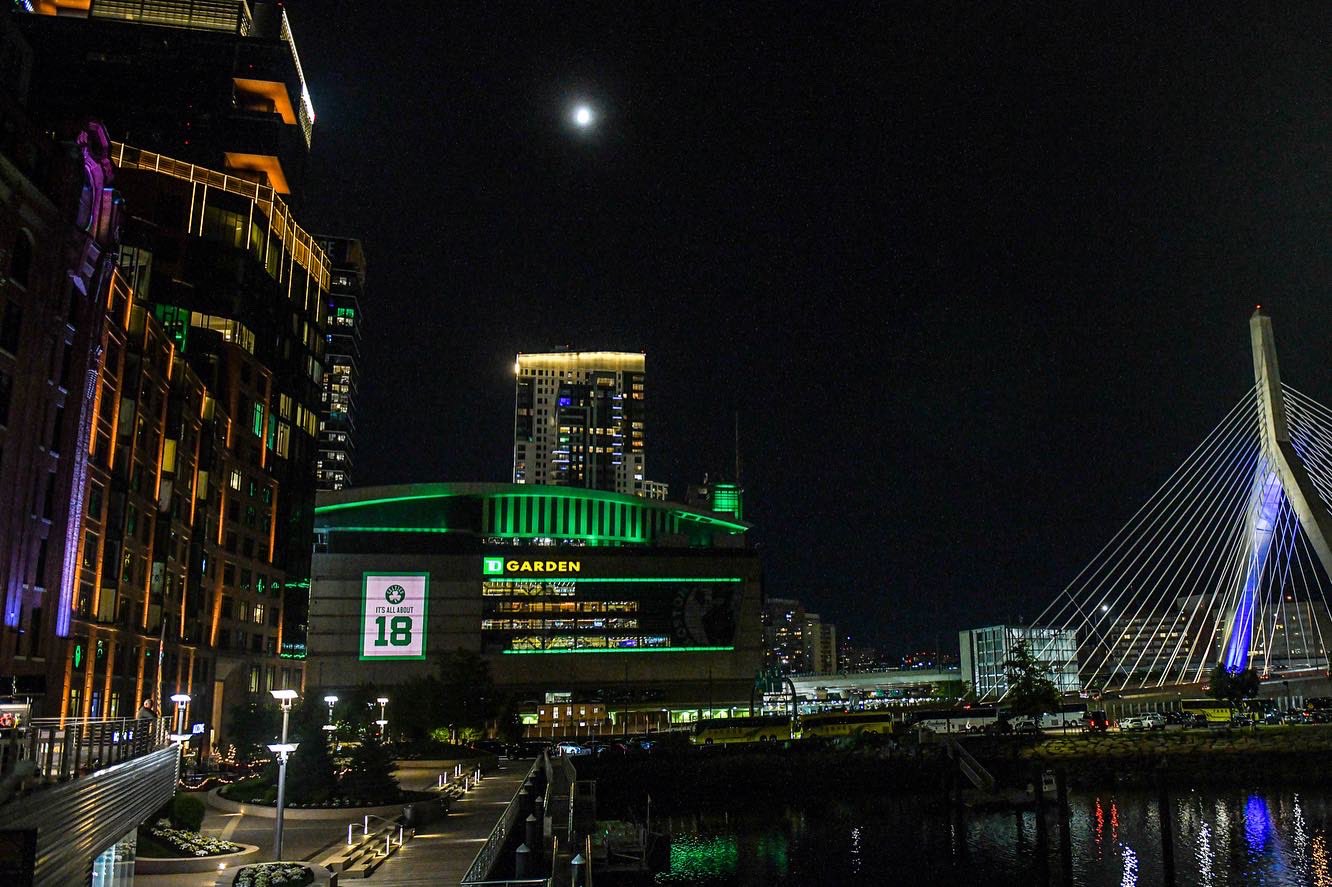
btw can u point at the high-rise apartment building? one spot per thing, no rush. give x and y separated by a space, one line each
342 366
579 420
212 82
797 641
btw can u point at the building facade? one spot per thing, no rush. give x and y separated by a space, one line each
568 595
337 421
985 650
579 420
58 218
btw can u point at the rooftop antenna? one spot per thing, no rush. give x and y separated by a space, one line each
737 448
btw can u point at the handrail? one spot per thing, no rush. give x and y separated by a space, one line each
298 242
51 750
485 858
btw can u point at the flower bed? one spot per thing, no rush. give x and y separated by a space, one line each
274 874
188 843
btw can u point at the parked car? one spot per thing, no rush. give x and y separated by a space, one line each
572 749
1025 724
1296 716
1241 720
1179 718
1133 724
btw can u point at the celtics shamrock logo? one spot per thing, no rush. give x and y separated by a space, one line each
395 594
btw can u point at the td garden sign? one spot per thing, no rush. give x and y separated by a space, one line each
505 566
393 615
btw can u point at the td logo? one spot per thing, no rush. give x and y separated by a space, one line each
395 594
493 566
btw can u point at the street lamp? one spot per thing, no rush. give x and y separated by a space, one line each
283 750
331 701
178 720
383 718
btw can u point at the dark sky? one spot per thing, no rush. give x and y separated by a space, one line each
976 280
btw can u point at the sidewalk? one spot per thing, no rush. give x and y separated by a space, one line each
439 855
308 840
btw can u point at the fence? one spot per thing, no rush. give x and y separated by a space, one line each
57 750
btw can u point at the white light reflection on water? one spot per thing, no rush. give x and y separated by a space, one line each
1206 856
1130 878
1299 839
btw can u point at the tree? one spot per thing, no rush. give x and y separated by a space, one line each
1233 688
468 697
251 726
1030 690
422 711
310 775
370 772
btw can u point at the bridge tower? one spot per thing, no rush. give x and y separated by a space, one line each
1280 476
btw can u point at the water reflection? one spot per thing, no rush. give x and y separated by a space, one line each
1219 839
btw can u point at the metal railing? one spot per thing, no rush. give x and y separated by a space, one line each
489 853
297 241
49 750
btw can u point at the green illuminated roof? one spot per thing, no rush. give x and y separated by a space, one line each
518 512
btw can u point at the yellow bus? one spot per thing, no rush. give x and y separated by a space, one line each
722 731
835 724
1215 712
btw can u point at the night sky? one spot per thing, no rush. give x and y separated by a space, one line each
975 280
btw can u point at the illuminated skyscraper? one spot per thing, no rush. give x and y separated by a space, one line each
579 420
342 363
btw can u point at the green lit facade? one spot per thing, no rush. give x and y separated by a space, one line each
545 582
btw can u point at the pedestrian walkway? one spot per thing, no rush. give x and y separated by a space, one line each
442 851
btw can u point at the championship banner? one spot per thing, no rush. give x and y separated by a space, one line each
393 615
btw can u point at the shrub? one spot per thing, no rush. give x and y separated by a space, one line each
186 812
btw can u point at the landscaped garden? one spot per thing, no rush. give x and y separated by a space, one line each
161 841
273 874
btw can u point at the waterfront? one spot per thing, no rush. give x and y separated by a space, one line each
1220 838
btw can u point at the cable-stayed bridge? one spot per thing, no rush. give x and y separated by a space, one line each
1226 563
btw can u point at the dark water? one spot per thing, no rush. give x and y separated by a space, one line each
1219 838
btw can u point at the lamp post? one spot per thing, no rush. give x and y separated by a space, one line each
329 728
383 718
178 720
283 750
179 736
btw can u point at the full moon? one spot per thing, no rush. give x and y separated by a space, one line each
582 116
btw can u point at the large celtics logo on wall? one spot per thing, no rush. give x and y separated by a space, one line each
393 615
705 616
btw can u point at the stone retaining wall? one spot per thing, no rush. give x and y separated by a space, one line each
189 865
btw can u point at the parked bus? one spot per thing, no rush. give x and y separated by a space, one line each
834 724
968 719
722 731
1213 711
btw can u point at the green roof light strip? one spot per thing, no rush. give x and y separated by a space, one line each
570 578
384 530
624 650
584 497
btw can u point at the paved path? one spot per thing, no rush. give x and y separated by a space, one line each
310 840
439 854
